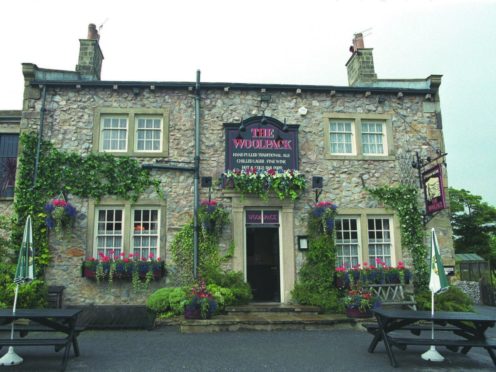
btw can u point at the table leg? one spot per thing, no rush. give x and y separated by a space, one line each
375 341
383 324
491 354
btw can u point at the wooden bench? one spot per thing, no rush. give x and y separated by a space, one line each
58 343
415 329
451 344
392 294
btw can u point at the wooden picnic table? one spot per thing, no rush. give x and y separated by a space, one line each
44 320
469 328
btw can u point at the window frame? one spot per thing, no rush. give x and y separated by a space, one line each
132 115
362 216
11 129
356 120
128 208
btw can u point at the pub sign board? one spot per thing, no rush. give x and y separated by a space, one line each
261 142
434 190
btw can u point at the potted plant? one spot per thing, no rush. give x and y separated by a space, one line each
359 303
201 304
60 214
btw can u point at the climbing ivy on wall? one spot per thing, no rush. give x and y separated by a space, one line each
93 175
316 278
404 200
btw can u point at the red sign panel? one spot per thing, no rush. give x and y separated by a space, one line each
262 217
434 189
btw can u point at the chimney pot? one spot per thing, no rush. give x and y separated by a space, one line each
358 41
92 32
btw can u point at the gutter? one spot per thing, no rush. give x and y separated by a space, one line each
196 227
168 167
238 86
40 135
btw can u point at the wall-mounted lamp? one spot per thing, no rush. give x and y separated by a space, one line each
302 242
207 182
317 185
285 126
242 127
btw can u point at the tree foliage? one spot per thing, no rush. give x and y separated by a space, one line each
474 224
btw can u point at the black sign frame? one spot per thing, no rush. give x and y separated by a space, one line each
262 142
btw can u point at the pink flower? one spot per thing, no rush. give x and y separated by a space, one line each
158 258
126 260
365 264
59 203
151 255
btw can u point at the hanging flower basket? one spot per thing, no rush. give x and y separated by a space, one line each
321 218
212 217
60 215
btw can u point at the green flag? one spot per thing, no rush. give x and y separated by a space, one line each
25 263
438 279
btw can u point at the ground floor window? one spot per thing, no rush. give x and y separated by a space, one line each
127 229
365 238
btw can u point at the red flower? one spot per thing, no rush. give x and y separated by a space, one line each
59 203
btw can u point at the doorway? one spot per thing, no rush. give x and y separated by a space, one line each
262 251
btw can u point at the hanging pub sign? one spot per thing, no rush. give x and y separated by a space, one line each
433 189
261 142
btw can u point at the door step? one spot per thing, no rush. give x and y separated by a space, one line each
268 317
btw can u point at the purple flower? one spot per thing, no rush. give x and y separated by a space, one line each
50 222
49 208
70 210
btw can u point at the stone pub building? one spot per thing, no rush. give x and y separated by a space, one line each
362 135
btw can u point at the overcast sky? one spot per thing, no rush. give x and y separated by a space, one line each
269 41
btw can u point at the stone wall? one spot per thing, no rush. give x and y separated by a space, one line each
69 125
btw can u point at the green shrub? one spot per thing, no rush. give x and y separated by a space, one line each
32 295
316 279
223 296
454 299
168 300
232 280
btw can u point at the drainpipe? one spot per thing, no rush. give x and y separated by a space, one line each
197 176
40 135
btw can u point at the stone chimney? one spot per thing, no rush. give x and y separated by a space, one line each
361 64
90 55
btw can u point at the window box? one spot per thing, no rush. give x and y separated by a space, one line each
123 270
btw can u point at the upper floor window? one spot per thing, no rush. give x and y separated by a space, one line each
341 137
373 138
114 133
133 132
358 136
9 143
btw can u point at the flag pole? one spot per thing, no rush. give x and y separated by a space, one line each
437 282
